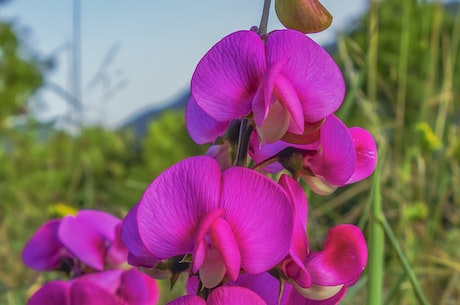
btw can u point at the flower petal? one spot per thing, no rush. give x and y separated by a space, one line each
188 300
88 245
138 253
52 293
90 294
227 77
44 250
366 154
234 295
201 126
261 218
343 258
137 288
172 206
315 76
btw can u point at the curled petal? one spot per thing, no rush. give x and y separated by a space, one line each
172 206
366 154
227 77
335 161
201 126
315 77
137 288
260 217
343 258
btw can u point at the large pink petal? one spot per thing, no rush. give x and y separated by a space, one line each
311 70
335 161
366 154
234 295
261 218
227 77
52 293
108 280
44 250
173 205
88 245
343 258
201 126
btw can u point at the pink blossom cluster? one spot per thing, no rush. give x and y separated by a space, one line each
239 235
266 103
88 249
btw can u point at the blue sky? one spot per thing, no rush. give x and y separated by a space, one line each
158 44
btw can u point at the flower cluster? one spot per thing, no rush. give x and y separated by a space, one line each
266 102
238 234
87 247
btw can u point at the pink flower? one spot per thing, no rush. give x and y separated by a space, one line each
340 156
238 219
114 287
283 82
91 238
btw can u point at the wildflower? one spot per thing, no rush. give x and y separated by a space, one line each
282 83
127 287
238 219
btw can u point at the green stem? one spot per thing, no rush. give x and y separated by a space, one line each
376 241
243 142
405 264
264 18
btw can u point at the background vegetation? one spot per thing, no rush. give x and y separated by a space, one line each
402 66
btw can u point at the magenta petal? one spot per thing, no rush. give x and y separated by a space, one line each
336 159
227 77
88 245
137 288
169 212
288 96
52 293
311 70
103 223
90 294
108 280
188 300
138 253
202 127
299 245
343 258
234 295
264 284
44 250
366 154
261 218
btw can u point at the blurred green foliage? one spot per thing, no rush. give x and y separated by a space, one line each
413 111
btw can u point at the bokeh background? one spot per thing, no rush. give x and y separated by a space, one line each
92 97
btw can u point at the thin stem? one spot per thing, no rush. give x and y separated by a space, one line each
243 142
405 264
376 241
264 18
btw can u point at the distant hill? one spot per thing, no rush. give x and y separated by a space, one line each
140 121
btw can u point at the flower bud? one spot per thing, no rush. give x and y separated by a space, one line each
307 16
